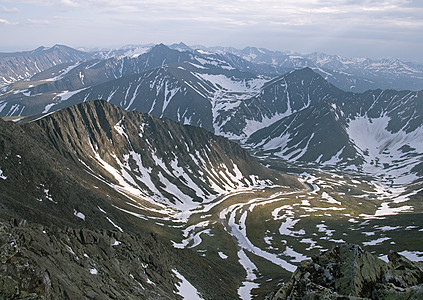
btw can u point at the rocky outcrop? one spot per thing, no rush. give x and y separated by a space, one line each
46 262
349 272
50 262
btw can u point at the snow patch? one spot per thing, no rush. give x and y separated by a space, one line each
114 225
376 242
79 214
245 290
185 288
93 271
381 149
2 176
412 255
330 199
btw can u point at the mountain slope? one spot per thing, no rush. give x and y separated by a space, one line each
156 162
376 132
21 65
175 165
276 99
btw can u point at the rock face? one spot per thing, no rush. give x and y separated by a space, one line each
349 272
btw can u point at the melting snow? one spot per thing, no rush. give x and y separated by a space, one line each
116 243
93 271
63 72
102 210
330 199
120 229
66 95
2 176
384 258
238 230
298 257
190 234
185 288
376 242
313 244
412 255
388 228
245 290
79 214
381 148
47 108
323 228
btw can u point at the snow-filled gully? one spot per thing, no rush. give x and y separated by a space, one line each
234 218
238 230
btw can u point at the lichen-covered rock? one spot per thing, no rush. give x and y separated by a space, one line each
54 263
349 272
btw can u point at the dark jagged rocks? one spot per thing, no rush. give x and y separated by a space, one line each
46 262
349 272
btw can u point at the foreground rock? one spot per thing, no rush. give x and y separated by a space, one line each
49 262
349 272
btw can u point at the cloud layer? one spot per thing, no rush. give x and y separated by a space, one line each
352 28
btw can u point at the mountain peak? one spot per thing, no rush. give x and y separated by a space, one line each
165 51
301 77
160 46
306 76
305 71
180 47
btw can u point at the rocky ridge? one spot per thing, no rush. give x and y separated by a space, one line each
349 272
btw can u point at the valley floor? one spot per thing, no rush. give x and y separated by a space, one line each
261 236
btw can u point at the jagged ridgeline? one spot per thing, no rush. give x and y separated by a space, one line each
79 175
151 158
162 166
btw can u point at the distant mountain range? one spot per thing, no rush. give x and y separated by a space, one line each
294 116
349 74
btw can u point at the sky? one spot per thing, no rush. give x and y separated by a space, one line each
351 28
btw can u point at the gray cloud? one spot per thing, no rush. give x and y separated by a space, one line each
355 28
5 9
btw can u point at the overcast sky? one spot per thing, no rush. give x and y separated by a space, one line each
365 28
